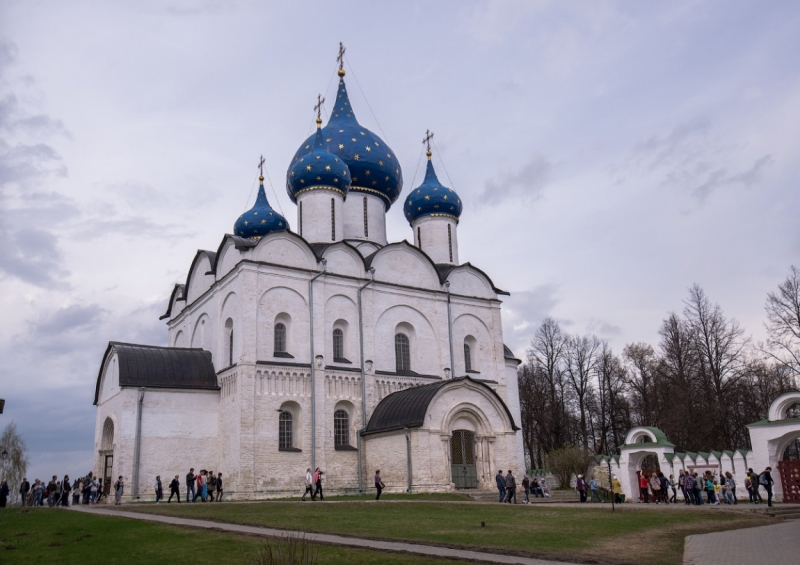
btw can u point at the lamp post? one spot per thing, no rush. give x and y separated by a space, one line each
4 455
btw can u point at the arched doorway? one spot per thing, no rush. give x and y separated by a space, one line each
107 455
650 464
462 459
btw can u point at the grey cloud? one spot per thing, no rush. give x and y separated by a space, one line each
8 53
675 145
136 226
523 312
719 178
22 162
69 319
32 256
527 182
603 329
15 119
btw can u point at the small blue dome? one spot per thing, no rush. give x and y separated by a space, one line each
317 170
432 198
374 169
261 219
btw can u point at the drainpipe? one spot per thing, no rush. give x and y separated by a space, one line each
311 362
450 328
408 459
363 378
138 446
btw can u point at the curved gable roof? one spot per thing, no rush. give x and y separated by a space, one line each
160 367
445 269
177 292
407 408
211 256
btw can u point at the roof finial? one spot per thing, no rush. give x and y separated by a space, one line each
427 141
261 170
318 108
340 58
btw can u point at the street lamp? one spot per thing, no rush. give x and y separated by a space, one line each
4 455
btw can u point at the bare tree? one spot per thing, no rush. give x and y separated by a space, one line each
14 467
581 357
641 378
783 322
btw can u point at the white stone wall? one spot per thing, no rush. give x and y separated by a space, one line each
432 236
321 210
354 206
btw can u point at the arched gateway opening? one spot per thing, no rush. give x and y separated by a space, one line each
107 454
462 459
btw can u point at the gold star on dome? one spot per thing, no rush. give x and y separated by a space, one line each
319 178
427 197
459 202
280 224
374 182
306 146
445 197
302 181
341 109
368 148
318 156
308 167
436 206
386 179
341 131
417 191
353 140
336 159
380 163
389 155
344 173
255 213
341 146
355 179
450 189
376 144
263 222
362 133
327 167
335 180
245 222
397 171
419 209
435 188
452 207
367 172
410 203
328 140
356 157
292 173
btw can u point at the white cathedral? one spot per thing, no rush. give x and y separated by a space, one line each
323 347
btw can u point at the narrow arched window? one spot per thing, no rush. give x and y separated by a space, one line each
341 428
366 224
338 344
280 338
402 353
285 430
301 219
419 238
467 358
450 241
333 219
230 348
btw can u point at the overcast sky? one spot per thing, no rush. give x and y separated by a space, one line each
609 155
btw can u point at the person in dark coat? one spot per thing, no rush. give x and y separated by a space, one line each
511 487
501 486
66 486
174 490
24 489
767 482
4 492
159 488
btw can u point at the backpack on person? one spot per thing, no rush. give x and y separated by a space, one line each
762 479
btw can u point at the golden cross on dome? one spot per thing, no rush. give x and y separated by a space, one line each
427 141
340 58
261 168
318 108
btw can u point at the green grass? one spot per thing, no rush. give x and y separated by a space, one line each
652 536
45 535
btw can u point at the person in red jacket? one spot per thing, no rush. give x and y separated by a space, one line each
643 488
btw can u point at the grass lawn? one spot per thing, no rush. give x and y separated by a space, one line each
634 535
46 535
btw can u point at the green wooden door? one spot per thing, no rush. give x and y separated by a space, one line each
462 459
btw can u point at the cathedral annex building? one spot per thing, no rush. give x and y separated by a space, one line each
322 346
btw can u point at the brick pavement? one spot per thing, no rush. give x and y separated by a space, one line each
327 539
778 543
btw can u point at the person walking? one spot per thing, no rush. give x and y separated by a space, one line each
220 491
87 488
198 483
643 497
501 486
379 486
671 483
66 487
190 491
159 489
616 488
767 482
119 488
526 486
4 492
76 491
174 489
318 483
595 490
93 490
730 483
51 491
664 483
38 491
697 489
212 485
580 486
24 489
511 487
655 487
754 482
682 484
309 485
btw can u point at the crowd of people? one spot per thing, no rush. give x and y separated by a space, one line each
507 487
83 490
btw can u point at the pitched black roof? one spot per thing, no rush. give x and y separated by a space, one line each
508 354
407 408
160 367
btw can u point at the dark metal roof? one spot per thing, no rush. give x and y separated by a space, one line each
407 408
160 367
508 354
444 270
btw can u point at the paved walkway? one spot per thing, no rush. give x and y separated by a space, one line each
779 543
327 539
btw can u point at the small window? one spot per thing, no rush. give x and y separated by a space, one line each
450 242
419 238
333 219
341 428
301 219
402 353
285 431
467 358
338 344
366 224
230 348
280 338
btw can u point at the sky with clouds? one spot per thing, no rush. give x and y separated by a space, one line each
608 154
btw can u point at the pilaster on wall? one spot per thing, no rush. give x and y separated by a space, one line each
246 480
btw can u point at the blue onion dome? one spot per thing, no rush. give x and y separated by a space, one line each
261 219
318 170
374 168
432 198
